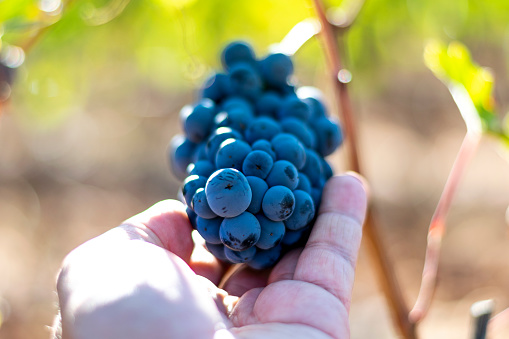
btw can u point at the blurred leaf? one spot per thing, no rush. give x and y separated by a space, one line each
454 66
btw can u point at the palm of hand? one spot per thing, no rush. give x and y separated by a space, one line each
306 295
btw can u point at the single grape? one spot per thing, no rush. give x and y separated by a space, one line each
314 98
327 169
265 258
262 128
276 69
197 120
299 129
236 102
235 52
180 151
236 118
272 232
240 232
199 152
191 215
202 168
217 87
228 192
288 147
209 229
245 81
191 185
283 173
303 213
266 146
313 167
201 206
231 153
258 187
268 104
240 257
304 183
328 135
294 107
217 250
216 138
278 203
291 238
258 164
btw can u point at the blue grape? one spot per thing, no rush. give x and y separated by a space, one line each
245 81
327 169
266 146
235 102
278 203
240 257
313 167
209 229
235 52
217 87
265 258
272 232
232 153
291 238
328 135
180 151
314 98
304 183
276 69
217 250
283 173
288 147
258 164
258 189
191 215
202 168
268 104
236 118
201 206
304 211
299 129
294 107
262 128
316 194
197 121
215 140
228 192
191 185
199 152
240 232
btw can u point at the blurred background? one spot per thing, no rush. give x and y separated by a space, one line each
90 92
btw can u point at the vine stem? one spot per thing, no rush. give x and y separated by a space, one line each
378 253
437 226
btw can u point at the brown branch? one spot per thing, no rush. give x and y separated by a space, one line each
384 268
438 226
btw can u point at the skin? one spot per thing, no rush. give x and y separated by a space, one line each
147 279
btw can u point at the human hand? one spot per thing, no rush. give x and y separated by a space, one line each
146 279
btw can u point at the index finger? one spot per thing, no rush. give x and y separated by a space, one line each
330 255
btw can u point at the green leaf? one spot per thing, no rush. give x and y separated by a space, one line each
454 66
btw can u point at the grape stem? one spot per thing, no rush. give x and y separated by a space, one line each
381 261
437 226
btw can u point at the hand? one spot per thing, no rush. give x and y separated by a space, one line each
147 279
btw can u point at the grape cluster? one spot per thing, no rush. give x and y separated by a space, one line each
252 158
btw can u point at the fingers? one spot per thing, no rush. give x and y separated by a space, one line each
166 224
330 255
244 279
